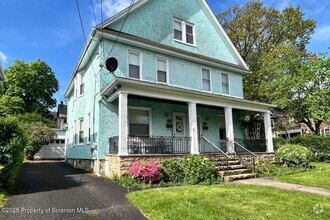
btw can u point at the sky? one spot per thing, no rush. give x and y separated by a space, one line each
50 30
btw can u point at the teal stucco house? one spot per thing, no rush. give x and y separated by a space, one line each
178 90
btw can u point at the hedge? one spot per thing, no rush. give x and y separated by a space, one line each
11 151
319 145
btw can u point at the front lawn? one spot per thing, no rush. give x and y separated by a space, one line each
230 202
319 177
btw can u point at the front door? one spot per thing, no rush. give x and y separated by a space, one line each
179 125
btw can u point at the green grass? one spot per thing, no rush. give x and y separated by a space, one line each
229 202
2 198
319 177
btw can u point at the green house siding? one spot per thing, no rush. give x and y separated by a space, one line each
141 22
179 71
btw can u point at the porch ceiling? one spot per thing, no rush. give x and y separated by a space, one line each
166 92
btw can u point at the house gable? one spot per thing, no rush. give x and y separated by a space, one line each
154 20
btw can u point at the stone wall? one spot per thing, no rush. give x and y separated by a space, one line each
119 165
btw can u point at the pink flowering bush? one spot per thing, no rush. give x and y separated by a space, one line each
147 171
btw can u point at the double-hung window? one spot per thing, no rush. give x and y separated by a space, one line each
206 79
82 85
81 131
161 70
183 31
139 122
225 83
134 64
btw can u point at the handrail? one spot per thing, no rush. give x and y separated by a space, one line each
213 145
241 146
250 159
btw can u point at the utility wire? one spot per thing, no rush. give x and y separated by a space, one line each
81 23
121 28
83 31
92 4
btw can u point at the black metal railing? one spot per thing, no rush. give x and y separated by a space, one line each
253 145
245 156
158 145
206 146
113 145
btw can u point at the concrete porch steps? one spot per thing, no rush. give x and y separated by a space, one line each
234 171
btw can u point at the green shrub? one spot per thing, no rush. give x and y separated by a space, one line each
264 167
278 142
319 145
293 155
172 170
11 151
191 170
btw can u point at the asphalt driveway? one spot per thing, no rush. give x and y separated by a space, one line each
54 190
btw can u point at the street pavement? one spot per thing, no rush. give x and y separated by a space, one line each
54 190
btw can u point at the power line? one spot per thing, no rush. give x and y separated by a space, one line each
81 23
121 28
92 4
83 31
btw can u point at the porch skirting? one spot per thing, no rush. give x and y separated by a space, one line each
119 165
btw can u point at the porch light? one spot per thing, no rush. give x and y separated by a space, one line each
205 126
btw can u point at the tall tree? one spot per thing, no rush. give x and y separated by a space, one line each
256 30
299 82
34 83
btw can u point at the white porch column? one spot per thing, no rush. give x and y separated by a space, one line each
229 129
268 132
193 127
123 114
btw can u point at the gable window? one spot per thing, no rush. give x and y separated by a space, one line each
178 30
206 79
134 67
139 122
225 83
82 85
161 70
81 131
183 31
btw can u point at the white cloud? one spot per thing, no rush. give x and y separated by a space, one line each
111 7
3 57
321 34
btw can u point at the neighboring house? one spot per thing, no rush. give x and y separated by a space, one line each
56 148
287 127
283 125
178 89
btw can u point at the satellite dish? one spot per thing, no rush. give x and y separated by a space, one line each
111 64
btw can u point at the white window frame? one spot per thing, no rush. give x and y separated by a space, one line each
224 117
140 62
222 83
143 109
203 68
89 128
81 83
80 127
167 69
184 32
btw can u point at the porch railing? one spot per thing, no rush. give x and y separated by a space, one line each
113 145
158 145
206 146
245 156
253 145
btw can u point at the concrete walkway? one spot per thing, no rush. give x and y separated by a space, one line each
288 186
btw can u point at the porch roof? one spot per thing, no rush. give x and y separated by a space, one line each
167 92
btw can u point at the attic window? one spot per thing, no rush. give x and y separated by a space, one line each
183 31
